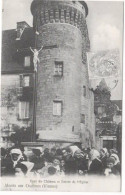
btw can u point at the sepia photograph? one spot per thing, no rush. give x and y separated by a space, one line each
61 95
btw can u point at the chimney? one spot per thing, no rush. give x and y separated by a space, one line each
20 29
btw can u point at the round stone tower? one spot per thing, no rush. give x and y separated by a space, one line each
64 36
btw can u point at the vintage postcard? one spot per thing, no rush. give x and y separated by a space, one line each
61 95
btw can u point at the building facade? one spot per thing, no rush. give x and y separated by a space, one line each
17 80
62 85
108 117
60 91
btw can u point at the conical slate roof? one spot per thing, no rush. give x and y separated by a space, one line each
103 85
102 88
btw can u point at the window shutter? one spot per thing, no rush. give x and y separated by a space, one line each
31 80
59 108
21 80
23 110
20 111
54 108
26 109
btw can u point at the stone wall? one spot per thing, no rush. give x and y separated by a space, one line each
66 87
61 24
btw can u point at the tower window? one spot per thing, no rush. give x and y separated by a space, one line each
23 110
58 69
27 61
84 91
57 108
83 118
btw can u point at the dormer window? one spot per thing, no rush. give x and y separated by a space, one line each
19 33
20 29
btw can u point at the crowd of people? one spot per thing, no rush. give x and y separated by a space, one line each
71 160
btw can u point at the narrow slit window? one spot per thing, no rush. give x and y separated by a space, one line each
84 91
83 118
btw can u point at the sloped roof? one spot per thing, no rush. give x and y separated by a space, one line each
103 85
102 88
12 60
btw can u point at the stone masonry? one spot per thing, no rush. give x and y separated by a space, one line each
63 33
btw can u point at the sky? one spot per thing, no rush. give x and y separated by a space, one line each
105 24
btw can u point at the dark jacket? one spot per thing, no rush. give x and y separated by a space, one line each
38 162
82 164
117 169
9 168
70 166
96 167
104 162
